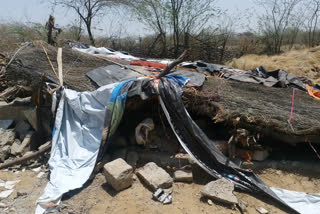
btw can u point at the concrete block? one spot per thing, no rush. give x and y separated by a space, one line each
7 137
183 176
155 177
220 190
118 174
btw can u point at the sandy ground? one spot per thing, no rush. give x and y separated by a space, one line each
98 197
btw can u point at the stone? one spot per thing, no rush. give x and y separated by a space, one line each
210 202
28 153
7 137
25 145
260 155
6 193
40 174
132 158
15 148
12 210
44 145
4 153
134 177
242 205
21 193
183 176
19 148
118 174
22 129
220 190
3 205
155 177
38 169
11 184
262 210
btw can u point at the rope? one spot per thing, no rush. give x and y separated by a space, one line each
292 104
50 63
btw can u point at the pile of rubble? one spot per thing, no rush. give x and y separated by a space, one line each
86 121
16 139
120 175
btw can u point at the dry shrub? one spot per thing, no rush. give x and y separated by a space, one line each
304 62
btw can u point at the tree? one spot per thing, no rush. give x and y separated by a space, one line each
73 31
313 8
153 14
88 10
181 18
189 17
275 21
225 30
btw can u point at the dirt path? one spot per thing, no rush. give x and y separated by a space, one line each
98 197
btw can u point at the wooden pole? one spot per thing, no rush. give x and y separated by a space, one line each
59 60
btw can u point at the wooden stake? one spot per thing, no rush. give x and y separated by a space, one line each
59 60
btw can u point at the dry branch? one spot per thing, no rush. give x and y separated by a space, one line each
173 64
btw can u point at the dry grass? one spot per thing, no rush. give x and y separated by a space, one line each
304 62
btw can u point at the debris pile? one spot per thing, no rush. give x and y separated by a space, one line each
129 117
16 141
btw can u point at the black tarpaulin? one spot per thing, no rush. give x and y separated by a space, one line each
193 139
197 144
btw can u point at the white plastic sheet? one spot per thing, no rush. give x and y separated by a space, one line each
300 201
79 124
107 52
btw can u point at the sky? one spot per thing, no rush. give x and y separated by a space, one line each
39 11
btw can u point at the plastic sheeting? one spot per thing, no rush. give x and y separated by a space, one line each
206 68
199 146
78 131
278 78
114 73
82 118
111 74
302 202
106 52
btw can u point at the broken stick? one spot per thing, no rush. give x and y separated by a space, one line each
173 64
35 154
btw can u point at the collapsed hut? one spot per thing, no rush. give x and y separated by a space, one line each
259 110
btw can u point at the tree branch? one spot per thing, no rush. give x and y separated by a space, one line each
168 69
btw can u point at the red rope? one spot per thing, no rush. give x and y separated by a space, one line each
292 104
